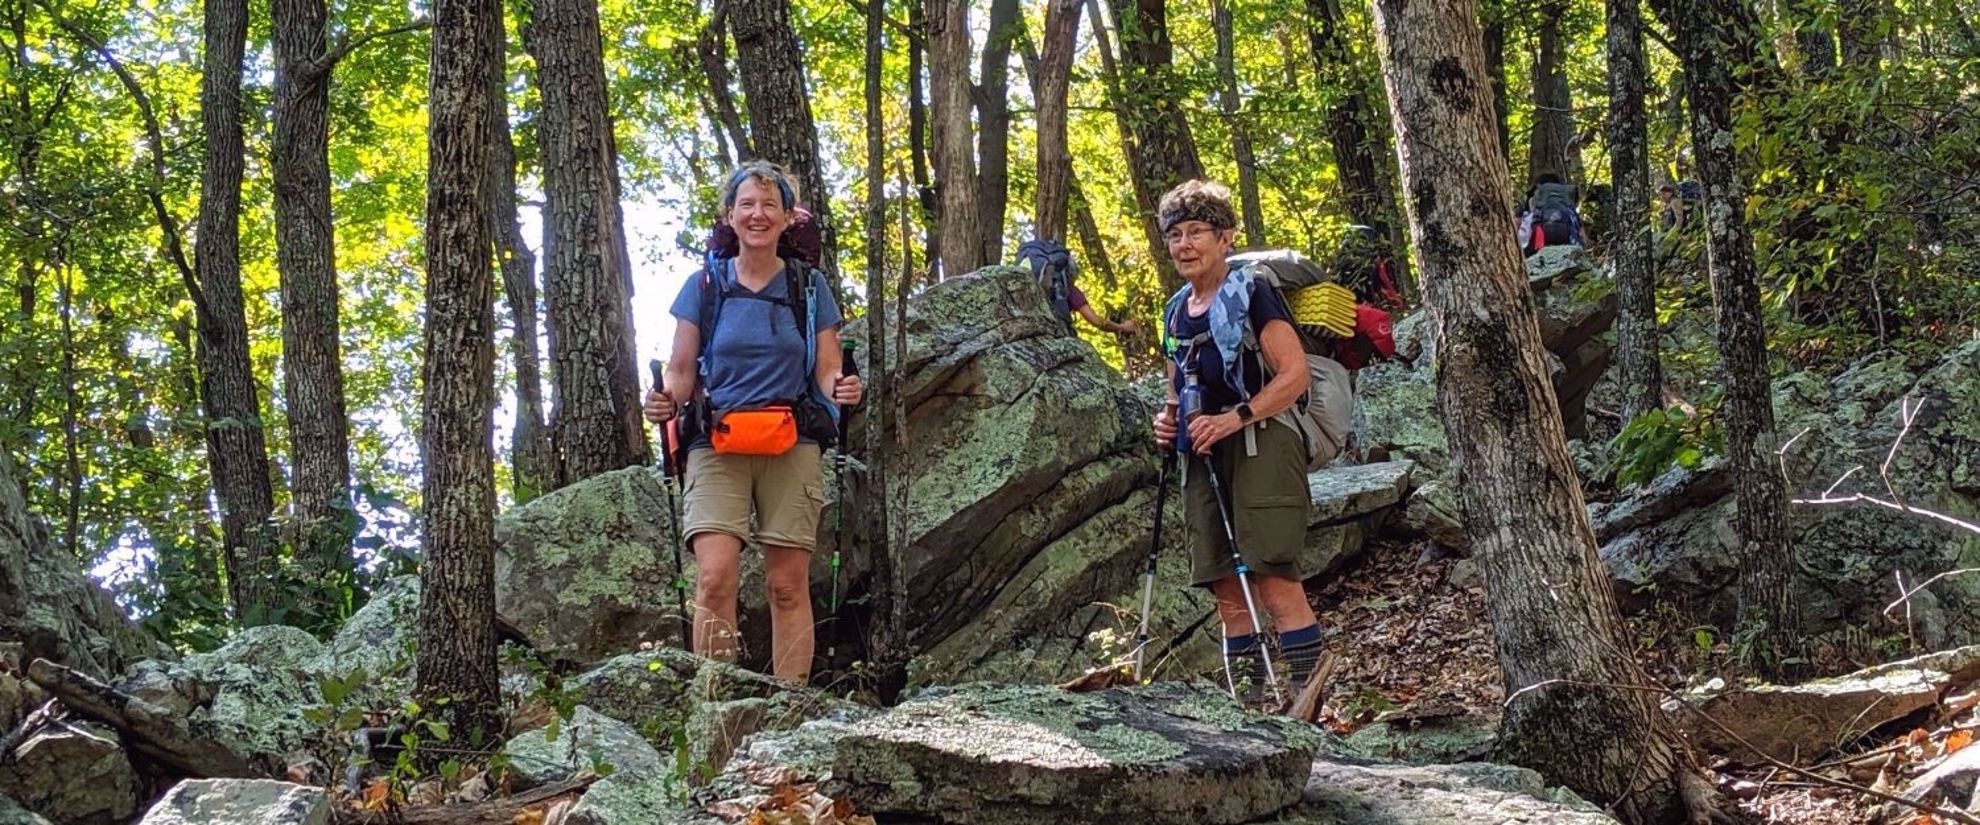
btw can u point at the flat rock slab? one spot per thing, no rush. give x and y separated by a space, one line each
1341 493
260 801
1020 755
1344 794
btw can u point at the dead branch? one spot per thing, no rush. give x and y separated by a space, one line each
149 729
1945 813
503 811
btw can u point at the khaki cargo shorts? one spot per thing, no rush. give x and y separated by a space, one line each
784 492
1270 513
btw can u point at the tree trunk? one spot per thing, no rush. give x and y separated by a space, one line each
919 141
956 180
1717 41
994 116
236 445
780 125
1552 146
713 46
1349 120
1550 598
596 425
305 255
1494 39
1150 101
1638 361
457 575
1228 106
886 643
1049 78
532 458
71 410
1145 198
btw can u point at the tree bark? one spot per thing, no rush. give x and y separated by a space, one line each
1350 116
596 424
1638 360
885 644
1552 146
532 457
1549 597
1145 196
1150 96
919 140
1494 38
956 179
993 104
305 256
1717 41
713 46
457 575
1050 79
1228 105
780 124
236 444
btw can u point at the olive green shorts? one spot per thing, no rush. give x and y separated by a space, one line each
784 492
1270 513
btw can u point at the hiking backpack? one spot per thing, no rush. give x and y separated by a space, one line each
801 240
1324 414
817 416
1555 220
1052 265
1362 264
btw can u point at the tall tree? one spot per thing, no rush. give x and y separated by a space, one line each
1229 107
1151 99
1493 35
236 445
1146 195
956 180
1718 44
587 276
533 458
457 575
1551 148
780 124
993 104
1350 118
305 257
1050 78
1574 715
886 644
1638 361
713 47
920 143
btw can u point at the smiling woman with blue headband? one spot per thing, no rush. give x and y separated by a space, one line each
754 417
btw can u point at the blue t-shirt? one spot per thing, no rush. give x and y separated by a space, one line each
1265 305
755 354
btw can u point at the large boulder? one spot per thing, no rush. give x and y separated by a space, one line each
50 606
11 813
75 774
260 801
1463 794
1673 542
588 741
248 696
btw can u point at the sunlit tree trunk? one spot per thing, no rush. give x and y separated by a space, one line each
1637 356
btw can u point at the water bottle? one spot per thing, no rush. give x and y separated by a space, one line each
1191 403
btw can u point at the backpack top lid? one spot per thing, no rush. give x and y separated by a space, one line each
1553 196
1691 190
1281 268
1040 253
801 240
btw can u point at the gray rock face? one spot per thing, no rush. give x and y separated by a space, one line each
49 605
11 813
587 741
1426 740
249 695
994 755
380 638
259 801
1674 542
75 774
1467 794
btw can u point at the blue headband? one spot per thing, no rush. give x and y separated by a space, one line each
736 179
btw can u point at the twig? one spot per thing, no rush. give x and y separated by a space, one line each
1781 454
1947 813
1907 411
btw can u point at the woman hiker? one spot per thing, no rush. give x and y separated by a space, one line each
1266 487
753 417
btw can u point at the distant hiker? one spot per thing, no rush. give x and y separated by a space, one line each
1552 216
1238 363
1681 202
755 377
1052 264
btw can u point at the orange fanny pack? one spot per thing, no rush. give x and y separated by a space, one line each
755 431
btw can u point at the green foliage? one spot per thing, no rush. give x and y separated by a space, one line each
1661 439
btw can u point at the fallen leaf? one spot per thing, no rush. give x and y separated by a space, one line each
1100 678
769 776
532 815
1959 738
375 795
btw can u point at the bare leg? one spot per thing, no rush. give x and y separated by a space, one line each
791 635
717 558
1284 600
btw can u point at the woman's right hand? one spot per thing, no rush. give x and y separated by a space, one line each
659 407
1165 426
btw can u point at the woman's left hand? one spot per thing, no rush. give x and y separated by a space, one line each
848 391
1206 430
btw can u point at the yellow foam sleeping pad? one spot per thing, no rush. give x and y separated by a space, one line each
1328 306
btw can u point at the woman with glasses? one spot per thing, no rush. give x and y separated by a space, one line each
1264 489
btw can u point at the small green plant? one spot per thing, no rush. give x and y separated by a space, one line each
1658 440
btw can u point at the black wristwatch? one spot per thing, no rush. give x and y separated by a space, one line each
1244 413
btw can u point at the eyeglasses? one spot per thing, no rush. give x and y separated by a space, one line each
1194 235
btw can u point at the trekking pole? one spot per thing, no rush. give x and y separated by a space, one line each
1243 576
849 367
667 471
1154 553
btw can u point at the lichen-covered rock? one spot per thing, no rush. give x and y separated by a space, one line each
633 799
588 741
249 695
380 639
1467 794
1426 740
76 774
11 813
260 801
50 606
1434 512
990 754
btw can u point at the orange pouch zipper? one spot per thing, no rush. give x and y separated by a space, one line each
758 431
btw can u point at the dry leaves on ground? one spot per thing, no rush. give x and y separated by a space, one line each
788 804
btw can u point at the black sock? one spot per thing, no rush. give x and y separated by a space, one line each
1300 649
1241 664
